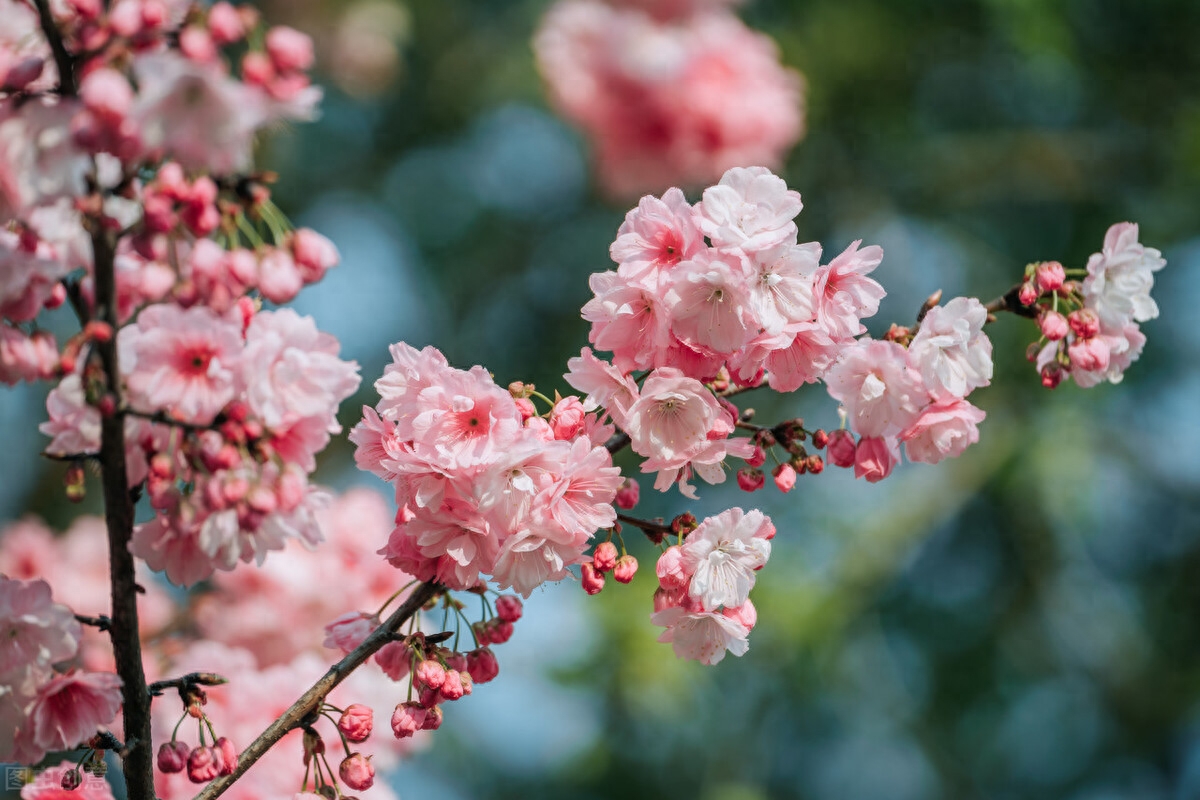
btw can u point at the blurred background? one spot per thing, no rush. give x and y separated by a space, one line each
1022 622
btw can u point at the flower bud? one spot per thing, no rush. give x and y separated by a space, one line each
567 418
758 457
785 477
501 631
407 719
433 719
592 579
226 756
431 673
628 494
819 439
452 688
482 665
202 765
750 480
625 569
1084 322
841 448
1052 375
1050 276
670 571
356 722
508 607
1028 294
356 771
526 407
172 757
72 780
814 464
1090 355
604 557
1054 326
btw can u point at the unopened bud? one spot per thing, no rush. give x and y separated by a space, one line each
72 780
841 448
604 557
626 568
1054 326
356 772
1028 294
750 479
508 607
1050 276
592 579
820 438
629 494
814 464
172 757
785 477
356 722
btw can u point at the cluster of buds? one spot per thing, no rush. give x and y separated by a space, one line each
355 770
436 674
790 437
605 559
203 762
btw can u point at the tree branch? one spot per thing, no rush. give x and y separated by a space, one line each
63 59
186 682
138 764
311 701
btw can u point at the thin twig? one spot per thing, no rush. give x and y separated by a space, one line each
102 622
310 702
186 681
647 526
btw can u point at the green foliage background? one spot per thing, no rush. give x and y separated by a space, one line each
1021 623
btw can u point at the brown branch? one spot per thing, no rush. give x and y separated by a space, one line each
188 681
310 702
63 59
619 441
647 526
163 419
138 763
102 622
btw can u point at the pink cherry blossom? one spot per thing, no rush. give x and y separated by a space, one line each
69 709
35 632
29 271
196 113
182 362
668 101
951 351
710 306
944 430
1121 276
294 379
703 636
750 210
604 384
628 319
656 236
875 458
722 555
844 294
881 393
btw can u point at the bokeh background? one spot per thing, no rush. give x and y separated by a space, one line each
1023 622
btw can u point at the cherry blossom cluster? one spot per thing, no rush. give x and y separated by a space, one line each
703 599
251 626
225 404
262 388
1090 329
46 703
487 488
154 83
668 91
